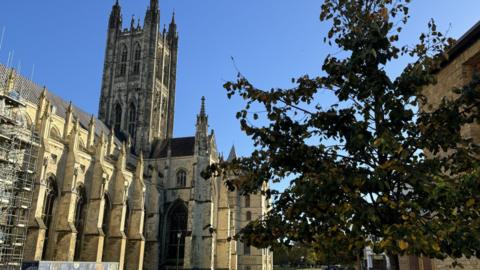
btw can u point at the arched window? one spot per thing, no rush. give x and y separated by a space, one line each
249 216
106 220
80 215
246 249
23 120
48 213
118 118
247 200
176 232
166 70
127 218
138 57
82 146
122 71
132 118
181 178
55 134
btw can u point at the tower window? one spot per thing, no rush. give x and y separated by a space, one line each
181 178
123 62
132 117
138 56
166 70
247 201
118 118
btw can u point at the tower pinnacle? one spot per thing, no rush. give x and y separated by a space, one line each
115 16
153 4
172 28
202 109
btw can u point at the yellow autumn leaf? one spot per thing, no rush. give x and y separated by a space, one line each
470 202
403 245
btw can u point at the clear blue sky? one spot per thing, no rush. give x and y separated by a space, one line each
271 41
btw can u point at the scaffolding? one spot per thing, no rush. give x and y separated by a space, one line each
18 154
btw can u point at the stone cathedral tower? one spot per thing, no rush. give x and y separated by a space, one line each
138 87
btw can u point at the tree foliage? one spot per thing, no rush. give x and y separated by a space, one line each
383 167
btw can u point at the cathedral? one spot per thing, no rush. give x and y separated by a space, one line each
119 191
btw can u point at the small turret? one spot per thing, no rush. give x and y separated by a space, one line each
111 143
153 14
68 121
172 34
10 81
91 133
132 23
115 21
153 4
201 136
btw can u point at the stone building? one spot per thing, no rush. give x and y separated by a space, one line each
121 188
463 62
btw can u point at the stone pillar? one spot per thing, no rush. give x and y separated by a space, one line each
66 233
93 236
36 227
223 259
115 244
136 240
152 220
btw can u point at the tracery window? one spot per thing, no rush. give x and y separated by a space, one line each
132 118
118 118
48 213
181 178
138 57
55 134
176 232
122 71
166 70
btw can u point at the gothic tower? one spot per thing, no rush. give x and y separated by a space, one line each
139 76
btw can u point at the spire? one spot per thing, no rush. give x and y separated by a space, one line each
202 118
202 109
115 17
172 28
232 155
201 136
132 23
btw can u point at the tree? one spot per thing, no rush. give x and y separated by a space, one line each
381 168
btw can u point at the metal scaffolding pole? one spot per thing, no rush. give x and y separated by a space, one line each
18 154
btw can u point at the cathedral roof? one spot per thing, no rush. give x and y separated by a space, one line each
181 147
31 92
